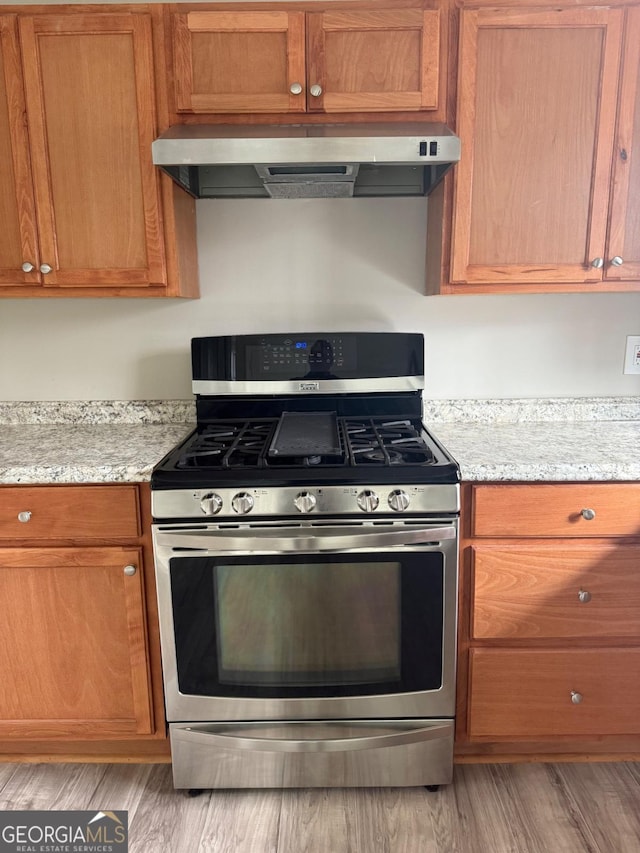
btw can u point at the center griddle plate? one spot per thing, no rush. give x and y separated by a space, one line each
306 434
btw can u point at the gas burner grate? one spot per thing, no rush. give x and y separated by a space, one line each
376 441
233 444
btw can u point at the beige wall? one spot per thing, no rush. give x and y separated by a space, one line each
318 265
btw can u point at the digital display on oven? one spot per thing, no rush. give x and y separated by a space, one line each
299 358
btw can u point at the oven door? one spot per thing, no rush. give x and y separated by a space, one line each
294 621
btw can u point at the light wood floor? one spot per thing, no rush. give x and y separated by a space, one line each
523 808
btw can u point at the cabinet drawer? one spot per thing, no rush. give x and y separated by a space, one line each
517 694
557 510
69 512
555 590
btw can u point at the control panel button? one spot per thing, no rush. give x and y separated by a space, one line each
304 501
242 503
368 500
398 500
210 503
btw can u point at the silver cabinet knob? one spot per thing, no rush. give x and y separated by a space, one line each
584 596
368 500
211 503
616 261
316 90
242 503
130 570
45 269
27 267
295 88
24 516
304 502
398 500
598 263
588 514
576 698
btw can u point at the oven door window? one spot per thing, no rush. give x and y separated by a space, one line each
318 625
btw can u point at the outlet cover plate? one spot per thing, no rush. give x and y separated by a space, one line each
632 354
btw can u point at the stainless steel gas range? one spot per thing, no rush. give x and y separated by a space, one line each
305 539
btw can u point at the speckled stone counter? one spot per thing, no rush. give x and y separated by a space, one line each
89 442
581 450
96 453
492 440
556 439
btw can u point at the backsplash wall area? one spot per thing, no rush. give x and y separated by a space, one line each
305 265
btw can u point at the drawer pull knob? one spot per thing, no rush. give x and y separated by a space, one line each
588 514
295 88
24 516
130 570
584 596
576 698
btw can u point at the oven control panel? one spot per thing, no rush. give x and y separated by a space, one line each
308 501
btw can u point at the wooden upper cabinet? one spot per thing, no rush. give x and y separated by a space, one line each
624 235
377 60
18 232
90 103
537 97
83 211
239 61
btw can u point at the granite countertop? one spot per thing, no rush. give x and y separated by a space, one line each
97 453
88 442
584 450
518 440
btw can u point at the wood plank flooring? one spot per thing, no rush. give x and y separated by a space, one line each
521 808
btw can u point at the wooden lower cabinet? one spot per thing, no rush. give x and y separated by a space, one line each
81 672
74 640
549 627
523 693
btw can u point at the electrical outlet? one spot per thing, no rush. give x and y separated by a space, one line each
632 354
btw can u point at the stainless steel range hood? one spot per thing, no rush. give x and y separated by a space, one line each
307 161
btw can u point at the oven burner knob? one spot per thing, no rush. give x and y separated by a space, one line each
304 502
242 503
398 500
368 500
210 503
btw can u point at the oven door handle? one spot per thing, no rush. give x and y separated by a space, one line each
214 540
207 734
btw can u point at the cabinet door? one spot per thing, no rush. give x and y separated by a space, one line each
74 643
91 115
624 236
372 61
239 62
537 99
18 235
